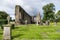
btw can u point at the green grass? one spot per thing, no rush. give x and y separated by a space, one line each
35 32
30 32
1 34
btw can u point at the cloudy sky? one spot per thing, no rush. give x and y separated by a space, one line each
32 7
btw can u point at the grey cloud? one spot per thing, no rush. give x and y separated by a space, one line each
31 6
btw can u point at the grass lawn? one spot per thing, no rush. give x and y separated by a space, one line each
34 32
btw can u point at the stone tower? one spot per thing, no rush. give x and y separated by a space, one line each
38 18
17 15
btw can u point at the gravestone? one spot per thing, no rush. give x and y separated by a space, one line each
25 21
8 19
7 32
55 22
47 22
37 23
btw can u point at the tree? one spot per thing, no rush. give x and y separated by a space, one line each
57 16
3 17
48 11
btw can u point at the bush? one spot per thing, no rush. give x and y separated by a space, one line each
12 27
3 22
2 27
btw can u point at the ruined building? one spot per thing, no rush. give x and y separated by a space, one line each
21 16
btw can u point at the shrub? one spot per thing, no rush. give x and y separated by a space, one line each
12 27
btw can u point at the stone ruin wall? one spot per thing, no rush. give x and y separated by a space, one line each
21 16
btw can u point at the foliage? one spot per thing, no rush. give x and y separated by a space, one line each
57 16
49 11
3 21
13 26
3 17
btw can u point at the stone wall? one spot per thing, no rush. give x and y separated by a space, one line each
21 15
17 15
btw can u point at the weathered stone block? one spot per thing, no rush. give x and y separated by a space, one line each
7 32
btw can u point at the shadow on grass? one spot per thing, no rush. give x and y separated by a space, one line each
16 36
